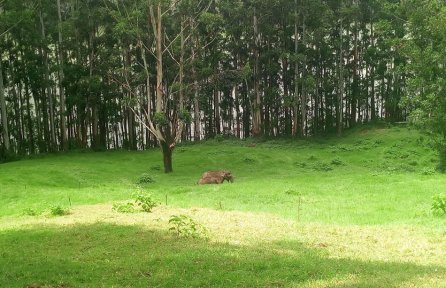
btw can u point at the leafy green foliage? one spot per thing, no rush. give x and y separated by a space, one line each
31 212
145 179
58 210
145 201
439 205
428 171
185 116
160 118
128 207
142 200
337 162
185 226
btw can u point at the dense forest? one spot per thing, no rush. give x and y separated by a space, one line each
134 74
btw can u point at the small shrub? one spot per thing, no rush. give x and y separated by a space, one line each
185 226
439 205
322 167
219 137
146 202
59 210
31 212
413 163
428 171
292 192
124 208
145 179
337 162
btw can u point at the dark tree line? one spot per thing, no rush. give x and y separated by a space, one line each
135 74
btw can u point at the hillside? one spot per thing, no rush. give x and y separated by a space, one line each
342 212
371 166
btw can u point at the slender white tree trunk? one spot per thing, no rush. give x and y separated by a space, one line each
3 109
63 121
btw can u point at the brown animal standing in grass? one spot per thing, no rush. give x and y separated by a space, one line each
216 177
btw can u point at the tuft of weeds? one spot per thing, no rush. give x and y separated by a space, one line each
58 210
337 162
428 171
31 212
249 160
145 179
439 205
128 207
185 226
145 201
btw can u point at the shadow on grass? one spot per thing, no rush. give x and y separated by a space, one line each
104 255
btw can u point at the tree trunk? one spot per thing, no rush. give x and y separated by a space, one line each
3 110
340 108
257 109
63 123
304 99
296 73
167 156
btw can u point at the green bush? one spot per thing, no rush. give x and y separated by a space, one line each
145 179
219 137
31 212
337 162
59 210
124 208
185 226
439 205
145 201
428 171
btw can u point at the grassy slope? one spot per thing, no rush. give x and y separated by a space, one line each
364 217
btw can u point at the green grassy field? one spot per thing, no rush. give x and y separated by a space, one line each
342 212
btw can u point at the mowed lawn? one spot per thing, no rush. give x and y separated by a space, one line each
342 212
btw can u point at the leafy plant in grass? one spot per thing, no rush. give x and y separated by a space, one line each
439 205
145 179
185 226
322 166
31 212
337 162
145 201
428 171
124 208
58 210
292 192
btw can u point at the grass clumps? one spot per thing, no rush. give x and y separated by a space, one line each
337 162
31 212
144 201
428 171
58 210
145 179
128 207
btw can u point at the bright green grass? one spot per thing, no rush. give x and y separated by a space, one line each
379 181
371 178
